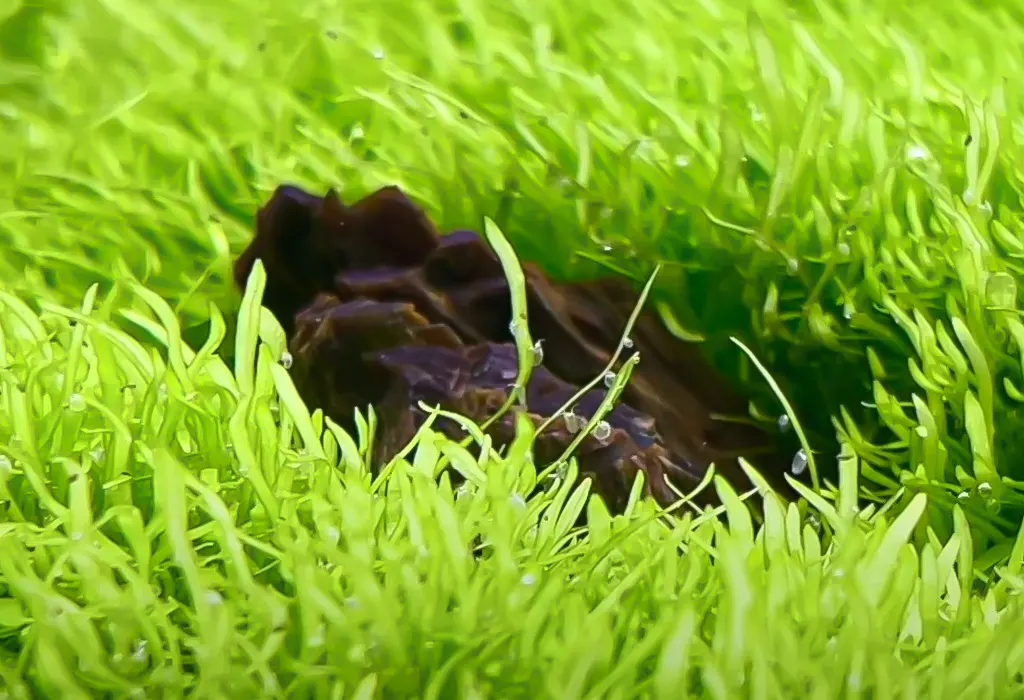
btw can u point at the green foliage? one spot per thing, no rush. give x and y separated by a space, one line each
832 185
173 526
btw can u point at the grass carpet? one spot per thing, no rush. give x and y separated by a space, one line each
834 184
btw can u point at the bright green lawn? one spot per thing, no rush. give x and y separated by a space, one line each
835 184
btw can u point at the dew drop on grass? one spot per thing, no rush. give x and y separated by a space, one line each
141 651
602 431
5 464
799 462
378 54
287 360
538 353
573 423
609 379
357 132
844 249
793 265
917 151
513 328
213 598
985 488
783 423
682 161
627 343
528 579
76 402
963 496
1001 290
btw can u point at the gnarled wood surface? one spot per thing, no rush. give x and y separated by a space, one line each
380 309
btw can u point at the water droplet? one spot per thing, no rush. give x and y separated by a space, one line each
606 248
462 491
849 310
573 423
378 53
528 579
76 402
602 431
5 465
287 360
627 343
1001 290
141 651
784 423
917 151
799 462
793 265
214 598
609 379
538 353
963 496
756 114
814 522
357 132
985 488
513 328
682 161
843 248
77 536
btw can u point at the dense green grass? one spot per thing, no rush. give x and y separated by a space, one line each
833 184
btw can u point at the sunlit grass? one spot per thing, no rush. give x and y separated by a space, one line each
835 185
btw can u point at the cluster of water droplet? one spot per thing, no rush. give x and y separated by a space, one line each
984 490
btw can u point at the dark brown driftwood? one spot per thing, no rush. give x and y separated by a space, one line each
381 309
